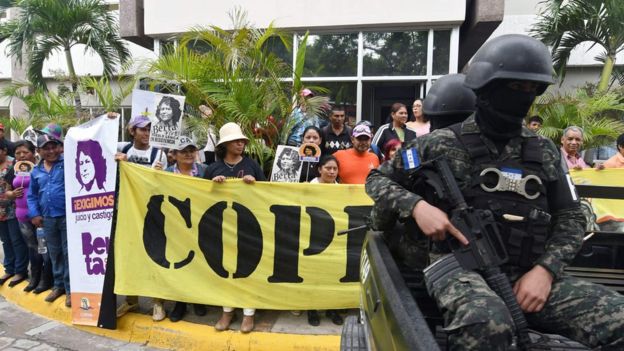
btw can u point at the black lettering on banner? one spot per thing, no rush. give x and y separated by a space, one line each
322 230
355 240
287 233
154 236
211 239
249 240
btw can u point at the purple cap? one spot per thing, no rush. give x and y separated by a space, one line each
362 130
139 121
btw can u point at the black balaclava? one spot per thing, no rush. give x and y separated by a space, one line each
500 110
439 122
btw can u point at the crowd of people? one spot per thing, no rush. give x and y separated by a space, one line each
35 202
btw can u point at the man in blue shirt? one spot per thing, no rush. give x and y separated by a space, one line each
46 208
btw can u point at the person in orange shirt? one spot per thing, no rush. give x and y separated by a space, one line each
617 161
356 163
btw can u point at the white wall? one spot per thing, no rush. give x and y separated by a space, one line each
165 17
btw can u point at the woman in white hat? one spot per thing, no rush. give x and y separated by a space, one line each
231 163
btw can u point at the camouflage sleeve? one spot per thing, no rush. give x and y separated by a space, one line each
567 222
386 185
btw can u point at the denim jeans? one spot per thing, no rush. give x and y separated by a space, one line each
36 259
56 238
15 249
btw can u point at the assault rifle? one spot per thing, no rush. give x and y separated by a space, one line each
485 252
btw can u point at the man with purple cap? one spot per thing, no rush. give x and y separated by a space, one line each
46 208
356 163
140 151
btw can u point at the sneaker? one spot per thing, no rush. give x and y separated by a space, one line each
247 325
224 322
158 313
126 307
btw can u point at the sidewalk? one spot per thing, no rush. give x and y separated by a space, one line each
275 330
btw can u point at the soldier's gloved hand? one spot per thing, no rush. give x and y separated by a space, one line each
533 288
435 223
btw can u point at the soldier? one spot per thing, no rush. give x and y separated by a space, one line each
541 223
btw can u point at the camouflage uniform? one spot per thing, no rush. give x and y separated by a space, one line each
475 317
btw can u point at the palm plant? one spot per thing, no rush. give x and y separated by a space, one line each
597 115
110 98
45 26
238 78
565 24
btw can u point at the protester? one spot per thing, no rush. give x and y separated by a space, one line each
184 163
571 144
356 163
617 161
140 151
40 265
535 123
15 249
396 129
300 120
390 148
336 136
312 135
232 163
420 124
46 208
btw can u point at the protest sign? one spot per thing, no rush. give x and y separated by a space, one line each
286 165
262 245
165 112
90 171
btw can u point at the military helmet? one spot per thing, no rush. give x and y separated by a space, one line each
511 56
449 96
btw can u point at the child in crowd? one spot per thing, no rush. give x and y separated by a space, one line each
46 208
141 152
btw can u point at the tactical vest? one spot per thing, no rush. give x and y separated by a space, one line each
514 190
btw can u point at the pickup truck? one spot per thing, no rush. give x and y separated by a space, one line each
396 312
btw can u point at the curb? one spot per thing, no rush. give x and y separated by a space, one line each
139 328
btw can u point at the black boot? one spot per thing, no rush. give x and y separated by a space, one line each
45 283
35 277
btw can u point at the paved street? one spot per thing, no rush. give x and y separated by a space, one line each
22 330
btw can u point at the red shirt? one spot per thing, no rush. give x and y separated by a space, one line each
353 167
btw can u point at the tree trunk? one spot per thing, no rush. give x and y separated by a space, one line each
74 81
607 69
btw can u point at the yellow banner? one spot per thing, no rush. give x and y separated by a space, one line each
265 245
605 209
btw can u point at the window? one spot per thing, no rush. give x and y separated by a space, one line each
395 53
331 55
441 48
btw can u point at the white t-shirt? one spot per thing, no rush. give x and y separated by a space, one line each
143 157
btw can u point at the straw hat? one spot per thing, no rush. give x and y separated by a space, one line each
230 131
